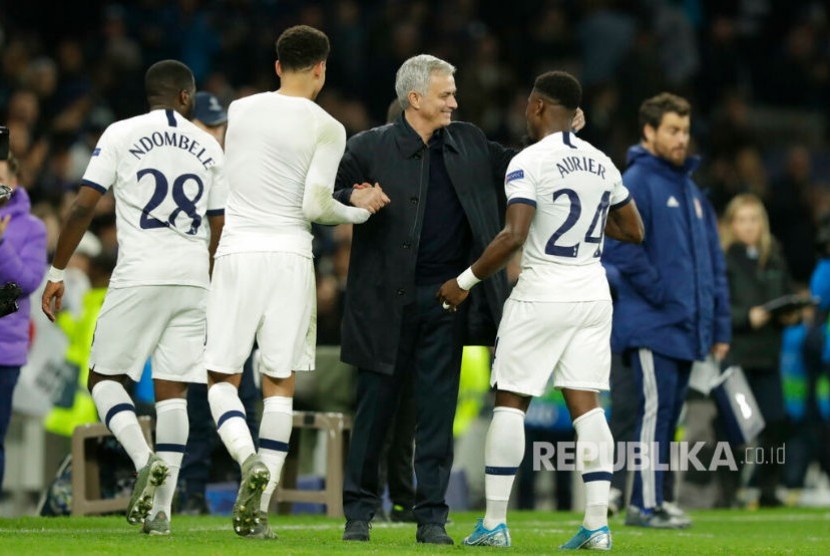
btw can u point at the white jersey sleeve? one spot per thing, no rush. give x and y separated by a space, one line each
318 203
619 192
219 191
519 182
102 171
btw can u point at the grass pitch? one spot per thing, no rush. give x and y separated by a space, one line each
780 531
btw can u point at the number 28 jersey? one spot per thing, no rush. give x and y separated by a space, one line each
167 176
573 185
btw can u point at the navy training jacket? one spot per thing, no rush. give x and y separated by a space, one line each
671 294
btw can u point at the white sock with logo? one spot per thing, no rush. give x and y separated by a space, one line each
229 416
595 460
274 435
172 428
117 411
504 450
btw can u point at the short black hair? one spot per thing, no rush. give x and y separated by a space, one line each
301 46
561 87
165 79
653 109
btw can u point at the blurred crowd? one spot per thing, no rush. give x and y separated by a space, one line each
756 72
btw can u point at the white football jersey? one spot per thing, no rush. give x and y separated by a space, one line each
274 145
168 176
572 184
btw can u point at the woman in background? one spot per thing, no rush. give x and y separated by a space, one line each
757 273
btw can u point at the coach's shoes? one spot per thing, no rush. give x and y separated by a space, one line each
261 529
255 476
157 525
149 477
598 539
655 519
356 530
481 536
433 533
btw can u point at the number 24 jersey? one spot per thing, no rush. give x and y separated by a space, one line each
167 176
573 185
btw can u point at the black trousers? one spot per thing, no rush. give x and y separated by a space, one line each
429 353
623 421
396 457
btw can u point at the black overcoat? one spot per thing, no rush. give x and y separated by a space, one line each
381 277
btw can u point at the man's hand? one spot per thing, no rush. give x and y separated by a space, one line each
4 223
369 197
579 120
451 295
53 290
719 351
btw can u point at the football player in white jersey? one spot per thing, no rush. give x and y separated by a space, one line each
282 152
168 180
563 196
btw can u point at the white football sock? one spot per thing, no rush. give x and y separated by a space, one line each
595 460
503 453
172 427
229 415
117 411
274 434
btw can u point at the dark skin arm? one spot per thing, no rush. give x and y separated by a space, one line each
624 223
80 215
497 254
216 224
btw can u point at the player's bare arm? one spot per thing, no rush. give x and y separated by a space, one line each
217 222
80 215
625 224
494 258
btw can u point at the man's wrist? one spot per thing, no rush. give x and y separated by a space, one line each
55 274
467 279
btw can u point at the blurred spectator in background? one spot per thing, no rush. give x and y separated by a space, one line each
23 261
791 213
210 115
757 273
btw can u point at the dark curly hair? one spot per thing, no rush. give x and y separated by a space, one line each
560 86
301 46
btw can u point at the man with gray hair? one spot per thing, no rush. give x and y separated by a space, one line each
445 183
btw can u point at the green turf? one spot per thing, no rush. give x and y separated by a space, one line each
785 531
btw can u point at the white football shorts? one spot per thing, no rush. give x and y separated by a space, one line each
166 323
268 296
572 340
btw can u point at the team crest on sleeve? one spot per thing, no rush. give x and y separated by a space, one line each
514 175
96 151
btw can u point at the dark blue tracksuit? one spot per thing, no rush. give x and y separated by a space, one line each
672 300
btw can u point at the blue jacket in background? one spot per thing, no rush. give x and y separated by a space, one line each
22 260
671 291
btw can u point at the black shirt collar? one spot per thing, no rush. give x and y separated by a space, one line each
410 143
